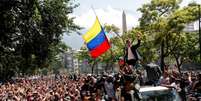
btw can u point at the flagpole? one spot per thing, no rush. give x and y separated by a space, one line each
93 11
99 22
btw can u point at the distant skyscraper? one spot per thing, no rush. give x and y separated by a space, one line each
124 26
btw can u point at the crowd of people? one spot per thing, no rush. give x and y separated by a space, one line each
104 87
46 88
122 86
187 84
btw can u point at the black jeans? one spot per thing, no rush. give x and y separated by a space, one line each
131 62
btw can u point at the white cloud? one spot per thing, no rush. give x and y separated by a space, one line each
108 15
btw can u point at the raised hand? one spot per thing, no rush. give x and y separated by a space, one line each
138 35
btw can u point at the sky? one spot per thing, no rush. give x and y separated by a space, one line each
108 12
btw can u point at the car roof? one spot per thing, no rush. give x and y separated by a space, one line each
153 88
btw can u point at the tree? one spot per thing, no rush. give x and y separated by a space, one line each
118 43
83 55
108 58
161 19
181 41
28 29
154 20
186 50
55 56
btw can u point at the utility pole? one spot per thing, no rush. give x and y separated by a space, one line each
199 32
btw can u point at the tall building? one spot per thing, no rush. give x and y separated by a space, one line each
68 59
192 27
73 64
124 25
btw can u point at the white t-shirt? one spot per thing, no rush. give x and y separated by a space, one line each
130 54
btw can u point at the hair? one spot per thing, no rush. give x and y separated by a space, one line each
127 40
199 77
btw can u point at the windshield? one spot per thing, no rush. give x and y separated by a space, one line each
161 97
158 94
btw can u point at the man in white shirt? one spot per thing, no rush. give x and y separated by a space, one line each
131 56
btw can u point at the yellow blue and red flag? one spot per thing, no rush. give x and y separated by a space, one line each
96 40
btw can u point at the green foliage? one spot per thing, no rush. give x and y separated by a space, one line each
55 62
109 57
44 71
111 28
29 28
163 22
84 56
162 26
